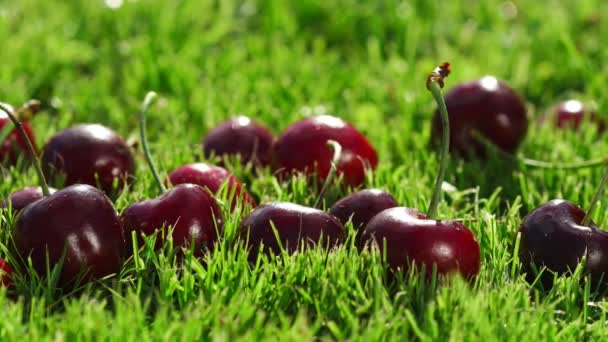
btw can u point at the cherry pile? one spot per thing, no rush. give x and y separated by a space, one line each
76 226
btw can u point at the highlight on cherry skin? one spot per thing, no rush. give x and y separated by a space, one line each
302 148
570 114
14 144
296 227
88 154
213 178
489 107
241 136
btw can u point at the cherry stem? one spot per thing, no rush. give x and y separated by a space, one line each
539 163
144 139
337 148
435 89
25 113
596 199
30 147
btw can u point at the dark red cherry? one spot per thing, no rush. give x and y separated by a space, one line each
487 107
361 207
21 198
212 177
79 220
295 226
571 114
411 237
91 154
553 236
14 145
303 147
5 273
240 136
192 212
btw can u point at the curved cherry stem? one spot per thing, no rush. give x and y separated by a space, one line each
539 163
337 148
596 199
434 84
30 147
144 139
25 113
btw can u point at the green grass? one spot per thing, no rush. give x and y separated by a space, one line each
277 61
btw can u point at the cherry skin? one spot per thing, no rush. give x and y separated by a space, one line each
79 219
552 236
303 147
295 226
570 114
192 212
361 207
14 145
212 177
5 273
488 107
240 136
88 154
411 237
22 198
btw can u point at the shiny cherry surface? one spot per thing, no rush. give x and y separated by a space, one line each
21 198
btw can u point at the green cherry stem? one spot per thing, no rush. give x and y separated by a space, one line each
144 139
434 85
333 168
596 199
19 125
29 109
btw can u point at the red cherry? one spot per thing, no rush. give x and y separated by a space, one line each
240 136
88 154
488 107
79 220
411 237
21 198
14 145
303 147
570 114
189 209
212 177
295 226
6 272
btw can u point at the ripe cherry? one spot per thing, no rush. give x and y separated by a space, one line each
11 142
240 136
272 225
21 198
570 114
302 148
190 210
90 154
212 177
486 107
360 207
409 236
6 273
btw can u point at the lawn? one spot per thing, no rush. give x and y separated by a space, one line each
279 61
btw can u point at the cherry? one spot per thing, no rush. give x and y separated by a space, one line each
302 147
21 198
212 177
555 236
240 136
408 236
91 154
360 207
189 209
486 107
570 114
11 143
77 227
411 237
295 226
6 273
